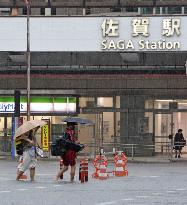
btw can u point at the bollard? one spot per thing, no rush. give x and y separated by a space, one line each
83 170
61 167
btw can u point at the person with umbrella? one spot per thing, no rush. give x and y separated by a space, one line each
29 154
26 133
69 158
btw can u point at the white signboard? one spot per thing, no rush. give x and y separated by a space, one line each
13 34
39 105
109 34
159 33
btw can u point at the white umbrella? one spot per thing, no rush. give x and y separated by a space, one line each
27 126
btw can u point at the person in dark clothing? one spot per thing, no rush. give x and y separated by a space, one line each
178 143
69 158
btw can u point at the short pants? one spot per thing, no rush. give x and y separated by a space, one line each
69 158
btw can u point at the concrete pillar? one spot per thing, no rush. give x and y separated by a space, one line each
132 123
129 121
166 10
182 10
154 10
84 11
139 10
161 10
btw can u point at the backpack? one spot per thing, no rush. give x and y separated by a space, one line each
19 146
57 146
62 144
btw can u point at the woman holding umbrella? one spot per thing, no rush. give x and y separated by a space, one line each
29 154
26 133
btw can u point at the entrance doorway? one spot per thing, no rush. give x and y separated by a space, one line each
163 128
168 124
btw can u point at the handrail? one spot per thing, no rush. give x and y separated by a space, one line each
164 148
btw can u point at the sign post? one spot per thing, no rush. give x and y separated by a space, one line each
28 59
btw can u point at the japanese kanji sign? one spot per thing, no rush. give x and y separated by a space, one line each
45 137
94 34
140 27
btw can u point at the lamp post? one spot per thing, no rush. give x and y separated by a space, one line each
27 2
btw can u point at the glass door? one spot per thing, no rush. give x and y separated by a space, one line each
164 127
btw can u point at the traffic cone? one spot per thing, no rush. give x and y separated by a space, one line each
102 174
119 169
120 161
83 170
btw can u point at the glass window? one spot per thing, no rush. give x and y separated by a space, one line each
132 9
4 11
162 104
175 10
157 10
117 101
182 104
86 102
147 10
149 104
42 11
105 102
165 10
108 128
149 116
185 9
53 11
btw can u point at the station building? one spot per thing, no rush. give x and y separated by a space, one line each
121 64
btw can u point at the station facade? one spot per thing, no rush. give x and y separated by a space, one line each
125 73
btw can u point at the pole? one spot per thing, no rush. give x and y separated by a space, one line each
171 150
28 59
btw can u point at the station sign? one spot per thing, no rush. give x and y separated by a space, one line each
115 34
95 34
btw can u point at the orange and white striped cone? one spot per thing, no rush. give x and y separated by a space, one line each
102 174
120 170
99 160
83 171
120 161
85 168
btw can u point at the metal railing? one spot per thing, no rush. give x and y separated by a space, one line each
160 149
163 150
5 146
